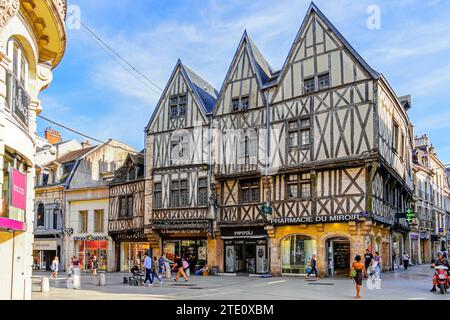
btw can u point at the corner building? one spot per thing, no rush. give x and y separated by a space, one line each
32 43
334 166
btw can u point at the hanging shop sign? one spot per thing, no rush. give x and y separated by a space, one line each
18 190
317 219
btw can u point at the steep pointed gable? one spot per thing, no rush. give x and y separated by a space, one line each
201 97
248 73
320 48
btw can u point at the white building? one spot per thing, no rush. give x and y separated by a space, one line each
32 43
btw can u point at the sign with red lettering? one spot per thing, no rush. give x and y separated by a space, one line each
18 190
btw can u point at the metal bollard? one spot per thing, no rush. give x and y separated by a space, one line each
45 284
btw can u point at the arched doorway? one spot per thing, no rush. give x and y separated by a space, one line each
338 256
296 253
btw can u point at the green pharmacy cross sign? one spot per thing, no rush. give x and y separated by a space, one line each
409 215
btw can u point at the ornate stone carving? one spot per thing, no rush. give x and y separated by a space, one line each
62 7
8 8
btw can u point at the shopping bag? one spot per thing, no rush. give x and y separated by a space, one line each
371 282
378 284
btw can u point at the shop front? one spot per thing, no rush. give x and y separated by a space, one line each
293 242
188 239
296 253
245 250
398 246
90 246
425 248
130 248
193 249
44 251
414 238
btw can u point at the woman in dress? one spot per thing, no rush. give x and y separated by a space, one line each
55 267
357 273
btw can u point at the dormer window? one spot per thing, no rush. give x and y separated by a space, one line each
178 105
131 174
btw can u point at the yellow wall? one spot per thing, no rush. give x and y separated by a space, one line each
354 231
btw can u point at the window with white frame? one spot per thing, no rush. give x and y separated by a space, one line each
18 100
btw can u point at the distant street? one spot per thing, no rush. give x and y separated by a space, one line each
411 284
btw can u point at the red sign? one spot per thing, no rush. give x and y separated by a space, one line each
18 190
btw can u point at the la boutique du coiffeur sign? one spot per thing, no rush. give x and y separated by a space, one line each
317 219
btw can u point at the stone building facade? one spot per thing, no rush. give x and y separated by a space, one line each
32 43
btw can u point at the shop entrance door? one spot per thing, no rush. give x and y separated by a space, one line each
338 257
246 259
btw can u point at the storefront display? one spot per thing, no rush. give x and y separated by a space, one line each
338 252
131 254
192 250
245 250
44 251
296 253
89 248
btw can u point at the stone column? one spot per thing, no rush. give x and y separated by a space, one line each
274 254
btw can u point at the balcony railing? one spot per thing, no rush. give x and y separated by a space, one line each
18 99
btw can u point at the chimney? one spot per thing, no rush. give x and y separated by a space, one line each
52 136
86 144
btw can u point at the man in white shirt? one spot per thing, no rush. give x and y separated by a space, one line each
148 270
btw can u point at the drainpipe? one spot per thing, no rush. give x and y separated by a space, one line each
266 94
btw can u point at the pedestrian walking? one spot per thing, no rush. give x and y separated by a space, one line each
94 265
405 260
179 265
156 270
357 273
55 268
313 267
75 266
162 266
368 259
377 264
148 270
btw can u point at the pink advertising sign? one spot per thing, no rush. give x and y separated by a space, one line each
18 190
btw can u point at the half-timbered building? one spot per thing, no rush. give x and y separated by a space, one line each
126 213
239 152
324 143
178 218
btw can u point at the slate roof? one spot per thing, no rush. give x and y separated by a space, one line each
205 91
264 70
73 155
120 175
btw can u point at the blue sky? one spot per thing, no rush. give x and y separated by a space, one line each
92 93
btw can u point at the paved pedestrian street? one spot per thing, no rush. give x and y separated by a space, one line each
411 284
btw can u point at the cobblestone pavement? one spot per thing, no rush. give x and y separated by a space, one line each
411 284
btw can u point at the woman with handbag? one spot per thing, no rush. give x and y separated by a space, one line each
357 273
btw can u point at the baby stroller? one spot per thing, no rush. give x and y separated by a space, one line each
137 278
